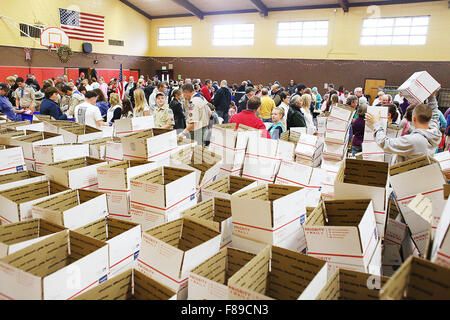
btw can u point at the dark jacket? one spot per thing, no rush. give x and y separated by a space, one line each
51 108
358 126
178 114
222 99
242 104
295 117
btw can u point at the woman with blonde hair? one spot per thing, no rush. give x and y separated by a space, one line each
115 109
305 102
141 108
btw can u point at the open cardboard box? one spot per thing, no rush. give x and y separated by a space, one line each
352 285
407 180
78 173
7 134
131 284
58 267
114 150
123 239
287 145
171 250
342 232
46 154
280 274
54 126
72 209
126 126
227 186
440 252
205 163
11 159
16 236
230 143
395 225
268 213
12 180
159 195
28 141
16 202
362 179
214 213
209 280
261 159
97 147
418 279
24 125
114 179
80 133
151 145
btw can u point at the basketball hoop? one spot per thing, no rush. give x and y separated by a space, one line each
53 38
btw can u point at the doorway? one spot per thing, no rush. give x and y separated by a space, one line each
164 75
372 86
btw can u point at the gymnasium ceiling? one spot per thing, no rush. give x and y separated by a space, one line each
155 9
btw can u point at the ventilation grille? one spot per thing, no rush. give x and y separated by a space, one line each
30 31
119 43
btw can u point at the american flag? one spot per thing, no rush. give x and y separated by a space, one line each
120 89
82 26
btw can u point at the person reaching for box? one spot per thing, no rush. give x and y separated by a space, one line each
424 138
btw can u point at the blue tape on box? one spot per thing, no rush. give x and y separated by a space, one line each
103 279
19 168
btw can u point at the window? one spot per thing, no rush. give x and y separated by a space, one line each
302 33
234 35
395 31
175 36
30 31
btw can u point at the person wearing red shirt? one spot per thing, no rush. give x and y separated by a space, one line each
247 117
206 90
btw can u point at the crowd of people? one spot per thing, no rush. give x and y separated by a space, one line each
192 107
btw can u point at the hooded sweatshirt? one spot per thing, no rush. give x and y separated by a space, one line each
418 143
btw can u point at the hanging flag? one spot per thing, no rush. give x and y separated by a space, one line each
82 26
120 89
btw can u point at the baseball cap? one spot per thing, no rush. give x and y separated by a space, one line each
4 86
250 89
159 94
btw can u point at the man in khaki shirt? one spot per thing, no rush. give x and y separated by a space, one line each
197 114
24 96
163 114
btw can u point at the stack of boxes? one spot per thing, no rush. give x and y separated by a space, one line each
370 149
337 133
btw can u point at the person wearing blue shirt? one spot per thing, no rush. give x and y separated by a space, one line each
49 105
101 103
5 105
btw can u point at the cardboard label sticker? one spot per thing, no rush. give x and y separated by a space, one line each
136 255
422 206
103 279
19 168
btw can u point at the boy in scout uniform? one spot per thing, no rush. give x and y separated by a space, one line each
198 114
163 114
24 96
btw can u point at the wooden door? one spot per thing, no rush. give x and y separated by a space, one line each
372 86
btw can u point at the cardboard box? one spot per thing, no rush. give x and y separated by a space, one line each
11 159
261 159
151 145
268 213
287 144
56 268
16 202
114 180
7 134
80 133
16 236
334 151
407 180
123 239
78 173
12 180
360 179
214 213
395 225
444 161
170 251
205 163
72 209
440 252
277 273
24 125
227 186
338 123
418 279
209 280
46 154
28 142
160 195
418 87
130 284
54 126
114 151
126 125
97 147
230 143
342 232
352 285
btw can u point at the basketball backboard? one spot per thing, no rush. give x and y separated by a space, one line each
53 37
